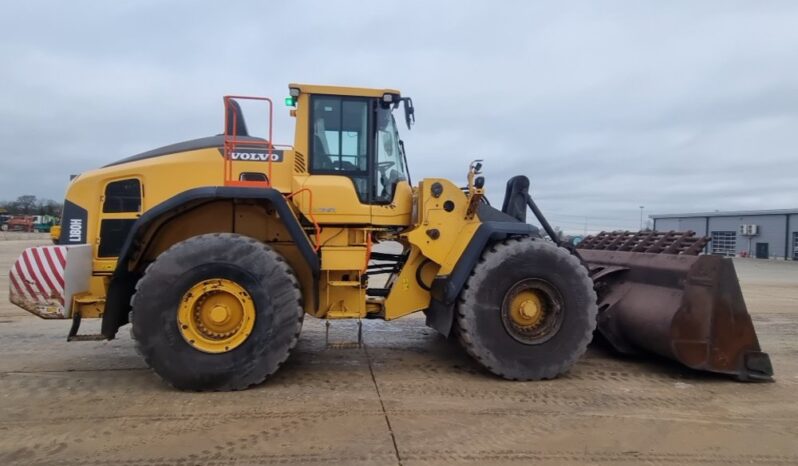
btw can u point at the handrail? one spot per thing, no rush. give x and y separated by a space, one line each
310 214
230 141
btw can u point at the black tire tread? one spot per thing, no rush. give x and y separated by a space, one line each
497 253
144 285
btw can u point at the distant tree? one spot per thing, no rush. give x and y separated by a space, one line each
49 207
31 205
25 204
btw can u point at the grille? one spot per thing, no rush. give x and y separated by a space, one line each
299 163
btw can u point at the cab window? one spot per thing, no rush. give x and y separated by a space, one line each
390 162
340 139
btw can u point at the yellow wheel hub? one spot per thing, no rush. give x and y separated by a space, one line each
216 315
219 314
526 309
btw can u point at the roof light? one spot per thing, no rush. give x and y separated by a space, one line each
387 98
294 92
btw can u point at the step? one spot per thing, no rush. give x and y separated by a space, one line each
353 283
73 331
379 292
88 337
343 344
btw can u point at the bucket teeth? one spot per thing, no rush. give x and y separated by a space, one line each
651 242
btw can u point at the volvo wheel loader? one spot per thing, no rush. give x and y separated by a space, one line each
214 249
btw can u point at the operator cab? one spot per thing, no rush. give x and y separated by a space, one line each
353 133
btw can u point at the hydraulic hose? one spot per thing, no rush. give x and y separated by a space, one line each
418 275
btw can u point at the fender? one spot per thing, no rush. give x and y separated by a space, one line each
123 280
445 289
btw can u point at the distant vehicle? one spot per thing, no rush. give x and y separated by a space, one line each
28 223
20 223
43 223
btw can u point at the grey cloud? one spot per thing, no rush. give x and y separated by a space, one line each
607 106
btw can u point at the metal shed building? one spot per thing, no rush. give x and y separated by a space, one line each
758 233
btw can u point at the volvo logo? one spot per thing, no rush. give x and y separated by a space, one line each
253 155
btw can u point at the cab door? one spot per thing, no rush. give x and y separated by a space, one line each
340 164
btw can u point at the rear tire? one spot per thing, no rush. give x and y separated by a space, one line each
564 317
268 281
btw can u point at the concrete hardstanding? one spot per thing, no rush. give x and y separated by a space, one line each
408 397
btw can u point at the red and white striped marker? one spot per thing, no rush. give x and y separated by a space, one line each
44 279
38 274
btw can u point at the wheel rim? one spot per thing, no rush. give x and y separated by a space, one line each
532 311
216 315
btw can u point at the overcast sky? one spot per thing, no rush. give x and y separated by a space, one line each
606 106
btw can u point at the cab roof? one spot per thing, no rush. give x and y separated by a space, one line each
341 90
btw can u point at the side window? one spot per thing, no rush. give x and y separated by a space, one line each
340 139
390 163
122 196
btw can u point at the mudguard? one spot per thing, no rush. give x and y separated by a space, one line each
123 280
444 290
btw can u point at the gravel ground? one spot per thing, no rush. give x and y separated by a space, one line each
409 397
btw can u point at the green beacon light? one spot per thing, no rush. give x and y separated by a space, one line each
290 102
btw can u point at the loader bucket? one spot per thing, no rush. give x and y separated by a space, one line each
657 294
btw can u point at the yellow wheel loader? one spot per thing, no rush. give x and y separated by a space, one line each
214 250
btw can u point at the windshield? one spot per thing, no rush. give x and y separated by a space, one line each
390 159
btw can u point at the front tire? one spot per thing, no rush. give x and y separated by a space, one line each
217 312
528 310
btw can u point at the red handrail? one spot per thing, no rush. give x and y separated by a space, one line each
230 141
310 214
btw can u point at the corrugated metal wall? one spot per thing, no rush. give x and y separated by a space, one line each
773 230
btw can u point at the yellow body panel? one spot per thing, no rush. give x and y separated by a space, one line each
341 258
161 177
398 211
454 230
334 200
443 248
407 296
